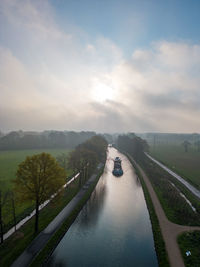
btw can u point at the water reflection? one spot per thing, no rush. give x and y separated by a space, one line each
113 229
93 208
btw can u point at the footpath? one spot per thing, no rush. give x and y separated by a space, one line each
41 240
170 231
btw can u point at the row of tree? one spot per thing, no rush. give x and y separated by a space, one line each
169 138
46 139
40 176
133 145
186 144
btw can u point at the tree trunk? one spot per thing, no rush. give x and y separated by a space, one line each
36 215
84 175
1 221
86 172
13 210
80 178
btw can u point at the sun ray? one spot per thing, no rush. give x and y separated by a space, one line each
102 92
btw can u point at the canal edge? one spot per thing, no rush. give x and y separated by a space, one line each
159 243
43 256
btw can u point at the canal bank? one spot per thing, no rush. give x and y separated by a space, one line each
170 231
160 247
68 214
113 228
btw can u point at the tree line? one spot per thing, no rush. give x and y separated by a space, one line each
47 139
41 175
171 138
133 145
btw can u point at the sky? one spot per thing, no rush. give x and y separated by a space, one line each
100 65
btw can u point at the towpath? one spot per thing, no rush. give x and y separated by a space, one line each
41 240
169 230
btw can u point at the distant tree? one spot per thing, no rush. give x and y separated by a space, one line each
3 197
108 137
135 146
74 160
186 145
12 199
197 144
38 177
1 217
89 161
63 160
87 155
131 135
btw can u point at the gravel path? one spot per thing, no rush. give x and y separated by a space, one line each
169 230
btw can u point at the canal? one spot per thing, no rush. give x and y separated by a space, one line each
113 228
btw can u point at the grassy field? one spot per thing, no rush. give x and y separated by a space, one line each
186 164
9 161
190 241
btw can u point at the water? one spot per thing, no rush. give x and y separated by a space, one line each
113 228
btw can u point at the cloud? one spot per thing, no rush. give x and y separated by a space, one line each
162 83
47 78
47 73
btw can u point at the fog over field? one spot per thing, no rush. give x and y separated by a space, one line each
102 66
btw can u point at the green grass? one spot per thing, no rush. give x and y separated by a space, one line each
158 238
9 161
190 241
186 164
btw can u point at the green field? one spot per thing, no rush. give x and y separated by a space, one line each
9 161
186 164
190 241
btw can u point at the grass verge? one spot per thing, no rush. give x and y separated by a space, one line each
183 163
181 213
190 241
158 239
44 255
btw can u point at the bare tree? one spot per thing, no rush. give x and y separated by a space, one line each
186 145
197 144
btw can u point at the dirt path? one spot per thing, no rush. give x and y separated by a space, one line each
169 230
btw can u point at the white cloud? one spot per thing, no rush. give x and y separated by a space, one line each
162 83
47 76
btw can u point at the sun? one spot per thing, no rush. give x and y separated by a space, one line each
102 92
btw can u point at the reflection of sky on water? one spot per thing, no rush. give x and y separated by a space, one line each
113 229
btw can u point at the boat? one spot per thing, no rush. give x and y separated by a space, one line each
117 171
